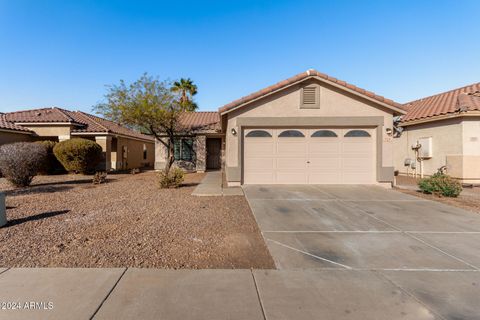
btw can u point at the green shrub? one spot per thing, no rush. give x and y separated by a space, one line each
78 155
21 161
52 165
441 184
99 177
172 179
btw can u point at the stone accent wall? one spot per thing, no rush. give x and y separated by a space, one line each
199 163
201 151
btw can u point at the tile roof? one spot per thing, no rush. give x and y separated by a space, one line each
201 121
38 115
83 122
96 124
4 124
302 76
458 100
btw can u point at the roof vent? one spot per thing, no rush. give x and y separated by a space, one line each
310 97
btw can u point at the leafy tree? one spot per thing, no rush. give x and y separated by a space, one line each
151 105
187 90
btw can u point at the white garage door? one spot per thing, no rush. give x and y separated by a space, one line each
309 156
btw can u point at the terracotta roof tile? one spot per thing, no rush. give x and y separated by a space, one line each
38 115
83 122
4 124
201 121
301 76
97 124
458 100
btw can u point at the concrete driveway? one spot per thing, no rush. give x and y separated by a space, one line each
346 248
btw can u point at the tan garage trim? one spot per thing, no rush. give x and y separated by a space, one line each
383 174
320 155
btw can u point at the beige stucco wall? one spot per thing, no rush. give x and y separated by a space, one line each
11 137
334 102
471 136
452 139
134 153
62 132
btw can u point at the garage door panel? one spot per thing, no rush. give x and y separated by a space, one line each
325 158
291 148
260 164
356 148
259 149
291 163
326 163
320 147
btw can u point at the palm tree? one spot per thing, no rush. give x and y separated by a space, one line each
187 90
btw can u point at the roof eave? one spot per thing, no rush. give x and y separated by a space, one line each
450 115
16 131
358 94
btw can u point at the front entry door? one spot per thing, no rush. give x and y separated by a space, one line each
214 146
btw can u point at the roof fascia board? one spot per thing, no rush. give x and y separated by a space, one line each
324 81
440 117
108 134
16 131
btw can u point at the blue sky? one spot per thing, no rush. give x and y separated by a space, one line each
63 53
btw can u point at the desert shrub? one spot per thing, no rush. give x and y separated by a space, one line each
99 177
78 155
441 184
172 179
21 161
52 165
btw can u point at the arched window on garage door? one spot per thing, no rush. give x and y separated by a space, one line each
324 134
258 134
291 134
356 134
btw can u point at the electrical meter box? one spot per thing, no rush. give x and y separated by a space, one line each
425 151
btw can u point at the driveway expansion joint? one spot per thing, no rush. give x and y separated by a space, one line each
108 294
2 272
258 295
410 295
311 255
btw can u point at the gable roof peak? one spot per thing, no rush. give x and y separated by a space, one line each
321 76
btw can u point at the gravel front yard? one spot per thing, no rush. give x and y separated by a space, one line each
65 221
469 199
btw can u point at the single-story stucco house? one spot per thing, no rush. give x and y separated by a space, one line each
123 148
442 130
308 129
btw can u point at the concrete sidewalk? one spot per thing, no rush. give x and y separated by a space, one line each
211 185
237 294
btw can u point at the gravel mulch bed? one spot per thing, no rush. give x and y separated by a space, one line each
65 221
469 199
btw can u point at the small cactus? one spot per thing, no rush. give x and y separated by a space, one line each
99 177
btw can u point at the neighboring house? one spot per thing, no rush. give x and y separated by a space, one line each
10 133
308 129
447 126
123 148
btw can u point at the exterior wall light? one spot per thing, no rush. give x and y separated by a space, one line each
234 132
